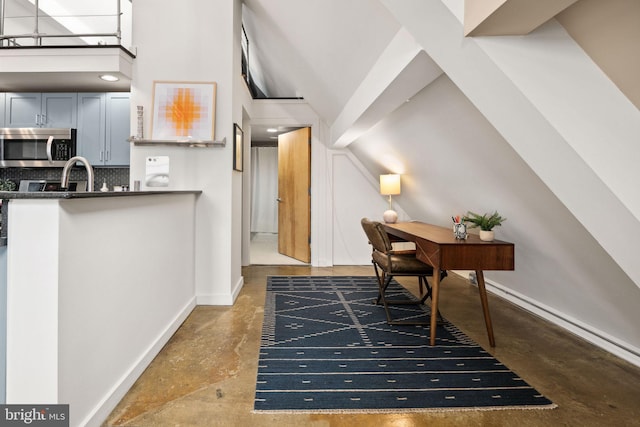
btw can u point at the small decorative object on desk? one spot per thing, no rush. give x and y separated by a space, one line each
486 223
459 228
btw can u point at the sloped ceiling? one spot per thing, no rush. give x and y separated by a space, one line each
322 50
509 17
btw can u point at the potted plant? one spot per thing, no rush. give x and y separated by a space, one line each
486 223
7 185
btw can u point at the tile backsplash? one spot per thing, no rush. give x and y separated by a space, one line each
112 176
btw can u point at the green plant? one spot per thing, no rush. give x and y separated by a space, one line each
486 222
7 185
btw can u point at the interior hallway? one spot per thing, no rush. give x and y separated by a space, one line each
263 250
205 375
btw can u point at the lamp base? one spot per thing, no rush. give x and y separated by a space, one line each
390 216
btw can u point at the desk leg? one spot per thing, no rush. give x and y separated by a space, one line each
485 307
435 290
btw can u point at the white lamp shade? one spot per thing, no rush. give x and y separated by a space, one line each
389 184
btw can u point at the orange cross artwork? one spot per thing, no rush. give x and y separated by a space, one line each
182 111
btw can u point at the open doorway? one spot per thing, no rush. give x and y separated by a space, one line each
267 231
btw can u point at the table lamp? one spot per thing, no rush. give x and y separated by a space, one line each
390 185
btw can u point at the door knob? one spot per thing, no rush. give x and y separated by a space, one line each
279 200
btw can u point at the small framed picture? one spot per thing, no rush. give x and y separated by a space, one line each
238 147
183 111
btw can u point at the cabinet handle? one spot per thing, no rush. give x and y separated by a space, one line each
49 142
108 156
101 155
44 119
37 119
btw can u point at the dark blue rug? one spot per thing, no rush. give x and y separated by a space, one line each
327 348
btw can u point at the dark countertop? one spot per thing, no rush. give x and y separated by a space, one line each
14 195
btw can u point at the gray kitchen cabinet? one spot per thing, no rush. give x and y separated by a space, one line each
103 128
118 128
2 109
32 109
91 127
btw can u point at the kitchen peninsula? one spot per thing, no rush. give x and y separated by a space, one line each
96 284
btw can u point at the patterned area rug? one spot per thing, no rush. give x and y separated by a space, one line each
327 348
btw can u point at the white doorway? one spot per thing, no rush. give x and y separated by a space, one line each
263 245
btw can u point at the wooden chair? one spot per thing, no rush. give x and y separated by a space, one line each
388 263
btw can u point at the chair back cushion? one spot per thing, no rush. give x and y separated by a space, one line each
377 235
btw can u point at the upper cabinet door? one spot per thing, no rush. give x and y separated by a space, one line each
118 128
23 110
103 128
91 127
59 110
51 110
2 97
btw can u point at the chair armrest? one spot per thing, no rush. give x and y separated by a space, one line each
403 252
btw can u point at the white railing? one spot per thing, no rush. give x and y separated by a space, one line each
65 23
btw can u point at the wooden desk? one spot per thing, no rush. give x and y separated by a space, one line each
438 247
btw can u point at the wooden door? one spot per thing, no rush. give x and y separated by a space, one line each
294 194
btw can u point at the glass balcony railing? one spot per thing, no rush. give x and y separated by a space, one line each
25 23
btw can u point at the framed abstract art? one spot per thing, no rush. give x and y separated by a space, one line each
183 111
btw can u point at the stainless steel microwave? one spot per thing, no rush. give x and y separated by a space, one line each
36 147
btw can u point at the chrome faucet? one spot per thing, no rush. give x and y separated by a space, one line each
66 170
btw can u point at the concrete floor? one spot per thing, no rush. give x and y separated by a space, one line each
205 376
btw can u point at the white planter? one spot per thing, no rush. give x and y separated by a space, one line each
486 236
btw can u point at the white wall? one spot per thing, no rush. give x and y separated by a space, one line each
237 109
456 161
126 285
355 193
162 31
3 321
114 281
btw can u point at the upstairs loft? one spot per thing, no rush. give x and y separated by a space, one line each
44 47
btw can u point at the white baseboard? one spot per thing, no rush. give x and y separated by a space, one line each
221 299
587 332
113 397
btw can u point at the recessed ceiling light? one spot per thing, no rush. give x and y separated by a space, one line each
272 130
109 78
